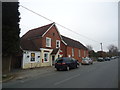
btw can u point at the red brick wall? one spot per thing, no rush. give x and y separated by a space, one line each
76 54
64 49
53 37
68 51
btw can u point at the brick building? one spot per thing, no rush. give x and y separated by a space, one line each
42 46
73 48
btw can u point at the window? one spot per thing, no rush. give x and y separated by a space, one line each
53 34
84 53
32 56
72 52
57 43
79 54
46 59
48 42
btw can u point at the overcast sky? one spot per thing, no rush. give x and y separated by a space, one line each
96 21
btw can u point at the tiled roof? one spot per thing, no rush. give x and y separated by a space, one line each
73 43
28 44
37 32
55 51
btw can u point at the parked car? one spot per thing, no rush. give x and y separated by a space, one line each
114 57
66 63
100 59
107 58
90 61
87 60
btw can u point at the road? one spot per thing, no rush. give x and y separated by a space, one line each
98 75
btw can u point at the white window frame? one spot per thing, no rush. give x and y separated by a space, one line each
72 52
32 57
48 44
79 53
58 43
47 57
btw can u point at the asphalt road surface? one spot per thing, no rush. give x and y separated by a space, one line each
98 75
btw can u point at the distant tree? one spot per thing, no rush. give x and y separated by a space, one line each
10 30
92 53
113 50
89 47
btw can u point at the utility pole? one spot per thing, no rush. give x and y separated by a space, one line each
101 46
101 50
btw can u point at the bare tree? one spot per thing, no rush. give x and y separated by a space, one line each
113 50
89 47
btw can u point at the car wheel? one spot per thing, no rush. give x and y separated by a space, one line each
67 68
58 69
77 66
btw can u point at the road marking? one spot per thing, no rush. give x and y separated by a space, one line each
66 79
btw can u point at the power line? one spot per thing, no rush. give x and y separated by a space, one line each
36 13
77 33
58 23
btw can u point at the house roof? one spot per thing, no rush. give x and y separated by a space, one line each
27 41
37 32
73 43
28 44
55 51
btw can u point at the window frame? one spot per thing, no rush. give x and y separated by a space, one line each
47 57
72 52
84 53
79 53
32 57
58 43
48 43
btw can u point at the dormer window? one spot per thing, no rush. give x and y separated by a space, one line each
48 42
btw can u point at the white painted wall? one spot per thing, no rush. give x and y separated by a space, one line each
27 60
27 63
42 56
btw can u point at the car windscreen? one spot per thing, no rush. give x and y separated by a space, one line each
85 59
59 60
100 58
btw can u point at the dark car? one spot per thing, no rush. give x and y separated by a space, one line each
66 63
107 59
100 59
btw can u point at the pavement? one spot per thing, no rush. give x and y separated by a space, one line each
19 74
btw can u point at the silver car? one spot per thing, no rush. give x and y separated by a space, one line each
87 61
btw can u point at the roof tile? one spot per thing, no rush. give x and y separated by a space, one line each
73 43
